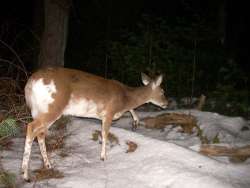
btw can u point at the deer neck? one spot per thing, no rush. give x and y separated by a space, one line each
136 96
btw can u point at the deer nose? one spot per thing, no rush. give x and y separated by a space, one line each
165 105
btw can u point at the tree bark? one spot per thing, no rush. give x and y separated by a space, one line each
54 37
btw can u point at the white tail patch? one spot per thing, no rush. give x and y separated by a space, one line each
40 96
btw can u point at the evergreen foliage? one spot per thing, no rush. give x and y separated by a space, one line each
8 127
7 180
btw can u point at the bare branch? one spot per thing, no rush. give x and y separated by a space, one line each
17 56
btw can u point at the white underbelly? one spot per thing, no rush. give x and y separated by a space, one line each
83 108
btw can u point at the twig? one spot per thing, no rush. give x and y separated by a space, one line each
17 56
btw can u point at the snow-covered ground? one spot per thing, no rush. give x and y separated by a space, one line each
163 158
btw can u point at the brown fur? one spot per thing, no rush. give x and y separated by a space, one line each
110 96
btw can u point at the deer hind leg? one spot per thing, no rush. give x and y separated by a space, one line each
41 142
27 150
106 123
37 128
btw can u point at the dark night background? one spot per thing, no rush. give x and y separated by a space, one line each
200 46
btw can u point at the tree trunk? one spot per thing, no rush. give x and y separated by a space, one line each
54 37
222 21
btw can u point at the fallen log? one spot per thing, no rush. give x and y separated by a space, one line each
236 154
187 122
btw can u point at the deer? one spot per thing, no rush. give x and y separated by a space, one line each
53 92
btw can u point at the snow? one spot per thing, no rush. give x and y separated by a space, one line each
163 158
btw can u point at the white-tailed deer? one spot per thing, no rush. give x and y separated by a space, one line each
53 92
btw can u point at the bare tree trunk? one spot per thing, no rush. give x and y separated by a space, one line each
54 37
222 21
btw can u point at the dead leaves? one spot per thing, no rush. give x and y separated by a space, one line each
113 140
43 173
132 146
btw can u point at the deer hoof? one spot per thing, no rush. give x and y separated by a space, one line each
103 158
48 166
26 178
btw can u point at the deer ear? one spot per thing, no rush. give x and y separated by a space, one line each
145 79
157 82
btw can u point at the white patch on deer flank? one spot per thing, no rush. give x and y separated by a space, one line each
40 96
82 108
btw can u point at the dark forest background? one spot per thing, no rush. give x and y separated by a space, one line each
201 47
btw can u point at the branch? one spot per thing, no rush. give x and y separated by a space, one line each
14 65
17 56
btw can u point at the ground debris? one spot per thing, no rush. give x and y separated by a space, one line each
7 180
56 140
112 139
132 146
43 173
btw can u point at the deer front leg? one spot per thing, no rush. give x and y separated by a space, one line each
106 123
41 141
27 151
135 120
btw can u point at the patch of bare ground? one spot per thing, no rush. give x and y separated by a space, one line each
56 139
43 174
112 138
